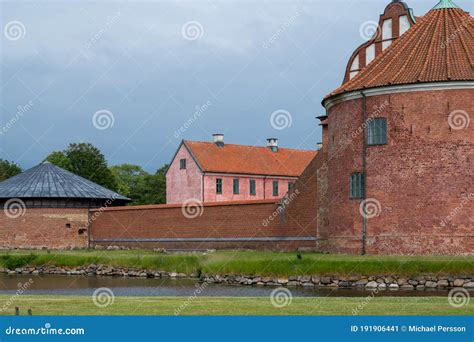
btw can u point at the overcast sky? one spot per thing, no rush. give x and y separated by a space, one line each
136 77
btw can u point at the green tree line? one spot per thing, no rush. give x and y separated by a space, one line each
86 160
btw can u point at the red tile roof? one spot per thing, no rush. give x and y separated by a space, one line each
252 160
439 47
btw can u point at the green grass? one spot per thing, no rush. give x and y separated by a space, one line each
248 262
64 305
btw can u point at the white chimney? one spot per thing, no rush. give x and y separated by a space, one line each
218 139
319 146
272 144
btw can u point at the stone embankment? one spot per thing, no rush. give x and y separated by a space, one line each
368 282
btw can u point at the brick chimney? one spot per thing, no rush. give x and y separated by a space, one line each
218 139
272 144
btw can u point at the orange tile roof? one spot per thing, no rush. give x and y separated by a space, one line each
252 160
439 47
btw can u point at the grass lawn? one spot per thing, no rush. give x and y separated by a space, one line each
64 305
248 262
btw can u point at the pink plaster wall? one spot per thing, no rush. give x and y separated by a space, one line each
264 188
182 185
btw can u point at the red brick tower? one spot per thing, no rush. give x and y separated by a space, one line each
399 139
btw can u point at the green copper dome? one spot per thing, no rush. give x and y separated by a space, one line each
446 4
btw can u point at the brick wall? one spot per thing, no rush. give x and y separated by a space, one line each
256 224
44 228
422 179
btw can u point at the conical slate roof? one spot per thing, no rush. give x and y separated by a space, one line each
439 47
49 181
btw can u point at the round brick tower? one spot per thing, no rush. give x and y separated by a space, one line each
399 141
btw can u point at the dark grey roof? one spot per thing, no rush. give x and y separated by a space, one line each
49 181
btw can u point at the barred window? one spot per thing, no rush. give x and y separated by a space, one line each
377 131
357 186
219 186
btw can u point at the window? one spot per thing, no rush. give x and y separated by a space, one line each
68 225
253 188
369 54
290 185
357 186
404 24
275 188
219 186
236 186
377 132
182 164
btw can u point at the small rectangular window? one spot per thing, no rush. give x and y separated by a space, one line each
275 188
357 186
290 185
182 164
377 131
253 188
236 186
219 186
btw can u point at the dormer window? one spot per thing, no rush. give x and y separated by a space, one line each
182 164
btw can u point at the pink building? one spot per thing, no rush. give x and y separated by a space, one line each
216 172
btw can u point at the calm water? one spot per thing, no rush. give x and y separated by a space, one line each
85 286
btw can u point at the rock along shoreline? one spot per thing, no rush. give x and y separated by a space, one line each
419 283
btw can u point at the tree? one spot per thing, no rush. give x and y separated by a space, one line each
141 186
60 159
8 169
85 160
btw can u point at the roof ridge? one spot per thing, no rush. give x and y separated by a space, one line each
251 146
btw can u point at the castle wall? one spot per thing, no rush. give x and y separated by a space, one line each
419 185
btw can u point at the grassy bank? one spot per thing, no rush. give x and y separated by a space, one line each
247 262
64 305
